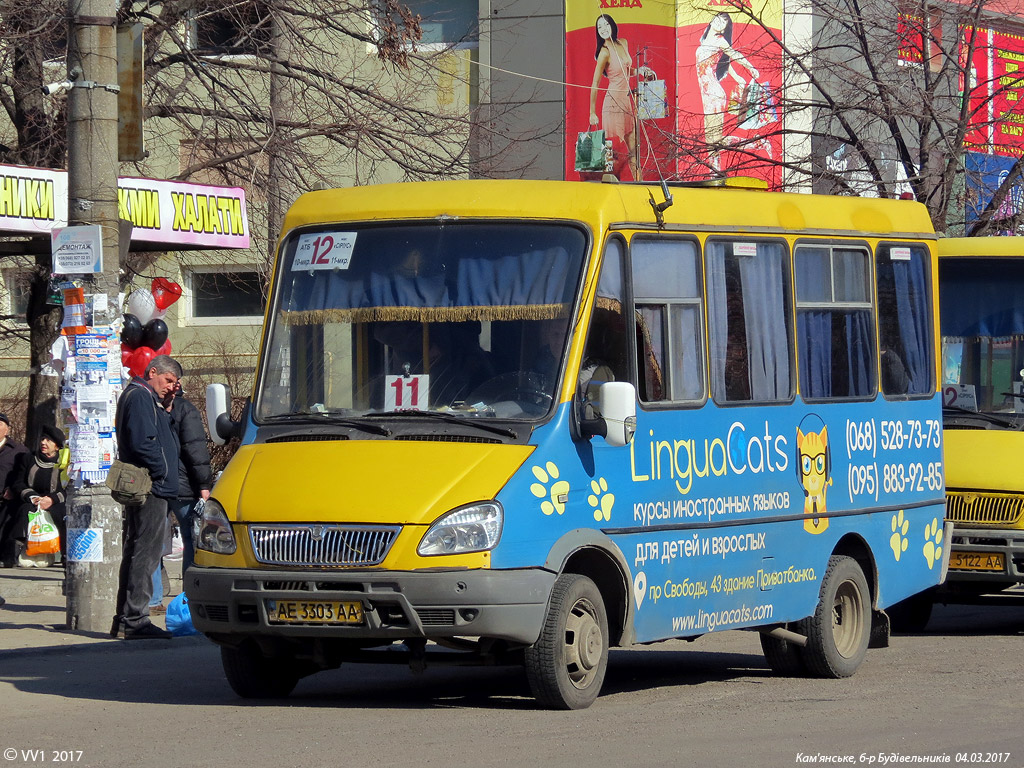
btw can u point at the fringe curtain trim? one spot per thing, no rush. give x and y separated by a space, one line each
424 314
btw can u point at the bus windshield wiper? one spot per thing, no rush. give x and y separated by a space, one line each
451 418
329 418
991 418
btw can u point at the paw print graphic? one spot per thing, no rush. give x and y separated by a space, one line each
601 500
933 542
898 540
554 495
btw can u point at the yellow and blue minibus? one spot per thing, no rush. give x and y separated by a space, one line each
522 422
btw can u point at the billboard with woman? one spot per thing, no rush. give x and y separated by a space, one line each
678 91
620 79
729 77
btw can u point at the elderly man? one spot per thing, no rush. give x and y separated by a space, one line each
145 439
10 452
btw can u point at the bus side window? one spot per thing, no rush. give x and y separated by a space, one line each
835 337
669 319
749 304
604 356
904 313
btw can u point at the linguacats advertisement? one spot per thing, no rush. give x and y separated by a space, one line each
677 91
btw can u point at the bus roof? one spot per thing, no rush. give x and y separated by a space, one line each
695 208
980 247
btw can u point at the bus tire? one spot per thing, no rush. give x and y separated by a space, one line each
255 676
839 630
567 664
783 657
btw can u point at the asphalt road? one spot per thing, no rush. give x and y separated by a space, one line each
954 690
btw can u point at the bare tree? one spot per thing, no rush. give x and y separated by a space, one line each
275 96
875 99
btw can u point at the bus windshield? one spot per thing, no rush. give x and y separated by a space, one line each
466 317
982 322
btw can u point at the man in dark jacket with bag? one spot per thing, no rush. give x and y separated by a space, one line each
145 439
195 478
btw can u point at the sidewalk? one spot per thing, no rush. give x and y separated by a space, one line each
35 615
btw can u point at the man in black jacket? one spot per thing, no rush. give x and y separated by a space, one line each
195 479
10 452
145 439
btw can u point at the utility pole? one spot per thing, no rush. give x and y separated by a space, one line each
91 585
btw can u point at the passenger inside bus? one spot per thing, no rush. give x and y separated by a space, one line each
895 380
449 352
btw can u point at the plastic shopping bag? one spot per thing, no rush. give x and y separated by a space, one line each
177 546
758 109
590 151
179 617
43 538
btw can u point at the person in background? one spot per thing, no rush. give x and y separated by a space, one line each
145 439
40 481
10 453
194 482
195 478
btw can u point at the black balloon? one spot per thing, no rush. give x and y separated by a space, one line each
154 334
131 333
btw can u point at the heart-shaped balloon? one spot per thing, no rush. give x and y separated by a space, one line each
165 292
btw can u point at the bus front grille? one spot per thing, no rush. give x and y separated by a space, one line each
984 508
314 544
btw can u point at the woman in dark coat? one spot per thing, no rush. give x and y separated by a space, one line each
41 482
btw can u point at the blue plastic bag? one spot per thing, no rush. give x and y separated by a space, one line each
179 617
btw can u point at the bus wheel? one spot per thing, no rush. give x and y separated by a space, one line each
839 630
566 665
255 676
783 657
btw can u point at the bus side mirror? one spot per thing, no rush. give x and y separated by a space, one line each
615 419
218 414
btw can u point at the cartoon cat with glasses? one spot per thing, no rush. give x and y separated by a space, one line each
814 466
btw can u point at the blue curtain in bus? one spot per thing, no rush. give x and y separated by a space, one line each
538 277
814 338
763 293
543 277
764 312
980 297
911 285
860 343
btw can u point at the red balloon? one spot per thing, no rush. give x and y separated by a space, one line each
165 292
141 358
126 355
165 348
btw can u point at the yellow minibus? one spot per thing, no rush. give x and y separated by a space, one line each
981 289
522 422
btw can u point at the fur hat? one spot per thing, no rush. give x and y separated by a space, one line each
57 435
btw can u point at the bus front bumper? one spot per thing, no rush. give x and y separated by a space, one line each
377 605
986 555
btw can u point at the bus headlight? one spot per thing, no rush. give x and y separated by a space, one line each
215 534
475 528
